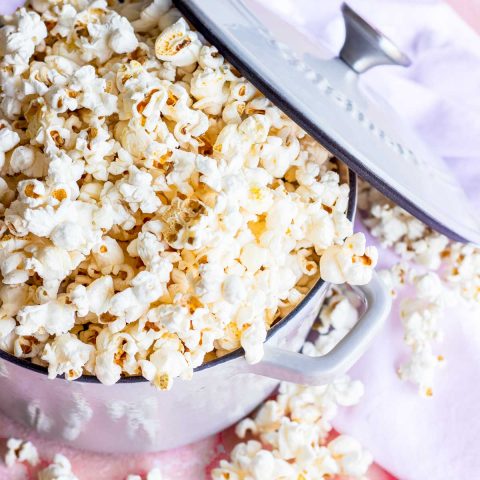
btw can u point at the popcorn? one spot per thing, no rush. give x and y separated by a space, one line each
99 294
208 87
67 355
351 262
52 317
116 352
462 275
92 92
95 144
60 469
166 363
410 238
111 210
66 18
106 33
51 263
233 289
8 140
29 346
420 369
395 277
68 236
137 192
19 39
277 156
338 313
28 160
249 460
178 44
156 209
351 457
210 58
150 16
20 451
252 339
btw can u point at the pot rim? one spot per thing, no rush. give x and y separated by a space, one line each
239 352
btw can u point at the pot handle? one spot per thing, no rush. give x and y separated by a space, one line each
302 369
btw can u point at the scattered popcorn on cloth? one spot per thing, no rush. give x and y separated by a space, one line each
289 437
156 211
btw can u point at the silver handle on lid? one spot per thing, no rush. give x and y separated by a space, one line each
366 47
298 368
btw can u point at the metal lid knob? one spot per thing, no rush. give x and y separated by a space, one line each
366 47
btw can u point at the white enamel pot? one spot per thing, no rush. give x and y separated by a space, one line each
132 416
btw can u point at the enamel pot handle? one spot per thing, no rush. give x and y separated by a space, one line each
298 368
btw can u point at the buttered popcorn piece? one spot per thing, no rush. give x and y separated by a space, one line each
67 355
20 37
51 317
156 208
178 44
59 469
351 457
351 262
8 140
20 451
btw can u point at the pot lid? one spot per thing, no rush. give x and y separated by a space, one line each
323 94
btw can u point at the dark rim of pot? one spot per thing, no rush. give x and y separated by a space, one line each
239 352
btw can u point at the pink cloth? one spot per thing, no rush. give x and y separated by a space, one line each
193 462
416 439
187 463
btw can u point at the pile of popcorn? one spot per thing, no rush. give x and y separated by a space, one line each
440 273
156 210
289 437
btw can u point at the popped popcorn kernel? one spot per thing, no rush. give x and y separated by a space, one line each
20 451
59 469
351 262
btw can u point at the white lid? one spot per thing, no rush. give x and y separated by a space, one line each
326 97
